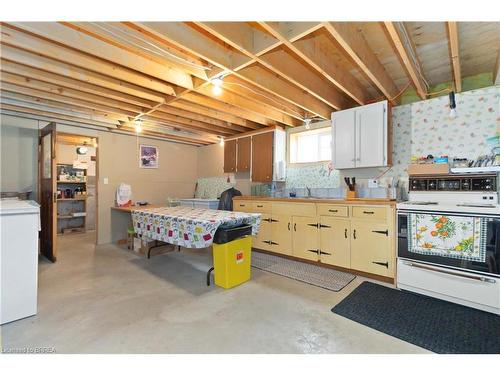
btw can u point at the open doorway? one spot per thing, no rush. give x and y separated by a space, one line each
74 182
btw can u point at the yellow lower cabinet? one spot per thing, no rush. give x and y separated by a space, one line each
334 241
263 238
371 247
281 234
305 238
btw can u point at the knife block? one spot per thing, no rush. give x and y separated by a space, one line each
351 194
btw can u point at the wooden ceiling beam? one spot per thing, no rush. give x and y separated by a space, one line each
316 57
455 54
396 31
71 37
12 57
34 93
227 108
205 119
214 113
22 39
44 88
283 64
355 46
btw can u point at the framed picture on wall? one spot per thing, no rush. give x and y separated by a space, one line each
148 156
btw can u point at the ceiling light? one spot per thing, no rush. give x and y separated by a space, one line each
138 126
221 142
307 123
217 86
82 150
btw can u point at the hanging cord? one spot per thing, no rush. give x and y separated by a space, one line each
162 52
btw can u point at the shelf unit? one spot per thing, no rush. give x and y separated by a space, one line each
66 222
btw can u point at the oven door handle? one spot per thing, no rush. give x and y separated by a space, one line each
472 277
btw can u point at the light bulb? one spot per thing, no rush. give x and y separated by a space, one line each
221 142
307 123
138 126
453 113
216 90
217 81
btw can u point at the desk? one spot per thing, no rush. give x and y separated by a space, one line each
121 220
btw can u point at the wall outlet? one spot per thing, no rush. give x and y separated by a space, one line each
105 181
373 183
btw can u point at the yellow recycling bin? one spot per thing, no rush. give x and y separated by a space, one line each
232 258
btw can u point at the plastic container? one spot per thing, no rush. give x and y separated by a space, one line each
232 256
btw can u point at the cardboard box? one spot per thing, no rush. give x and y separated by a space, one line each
428 169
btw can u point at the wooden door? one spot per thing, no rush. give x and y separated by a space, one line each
230 156
263 238
48 195
262 157
344 140
281 234
334 241
370 136
371 247
305 238
244 151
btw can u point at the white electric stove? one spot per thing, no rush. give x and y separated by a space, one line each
449 239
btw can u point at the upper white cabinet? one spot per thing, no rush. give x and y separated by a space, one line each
360 137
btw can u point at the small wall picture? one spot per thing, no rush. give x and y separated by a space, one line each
148 156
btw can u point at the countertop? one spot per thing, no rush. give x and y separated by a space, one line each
132 208
364 201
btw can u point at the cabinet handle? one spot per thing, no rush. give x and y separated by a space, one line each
295 227
268 220
268 242
260 206
386 232
288 226
242 205
274 221
345 232
324 226
386 264
314 251
314 225
354 233
324 253
368 212
333 210
273 243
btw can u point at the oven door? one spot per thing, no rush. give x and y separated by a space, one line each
409 247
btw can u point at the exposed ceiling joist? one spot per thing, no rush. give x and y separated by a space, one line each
316 57
399 37
455 54
356 47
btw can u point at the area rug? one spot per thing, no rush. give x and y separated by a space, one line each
308 273
433 324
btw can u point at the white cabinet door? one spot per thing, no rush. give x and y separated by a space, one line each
344 137
371 137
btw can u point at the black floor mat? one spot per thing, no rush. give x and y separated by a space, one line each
433 324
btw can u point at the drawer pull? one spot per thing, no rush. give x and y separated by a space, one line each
314 251
333 210
386 264
242 205
478 278
260 206
368 212
314 225
324 226
386 232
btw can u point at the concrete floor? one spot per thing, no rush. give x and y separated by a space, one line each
108 300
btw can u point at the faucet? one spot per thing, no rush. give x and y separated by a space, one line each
308 192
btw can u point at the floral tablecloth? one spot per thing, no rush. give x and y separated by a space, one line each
188 227
457 237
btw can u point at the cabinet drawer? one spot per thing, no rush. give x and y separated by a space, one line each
294 209
242 206
369 212
332 210
262 207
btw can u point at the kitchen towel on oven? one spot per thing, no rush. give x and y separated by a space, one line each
457 237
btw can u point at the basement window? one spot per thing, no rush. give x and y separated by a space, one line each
311 146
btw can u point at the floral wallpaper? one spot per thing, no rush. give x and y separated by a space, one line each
212 187
312 175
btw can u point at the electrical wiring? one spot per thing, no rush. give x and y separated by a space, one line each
164 52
